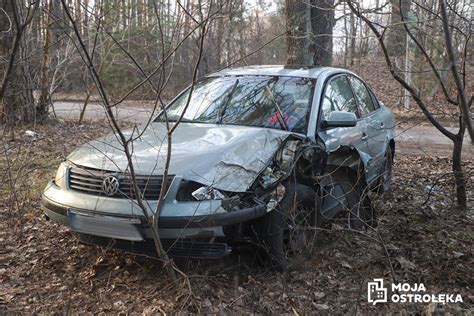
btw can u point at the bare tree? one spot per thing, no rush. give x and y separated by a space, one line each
48 53
15 94
423 103
127 141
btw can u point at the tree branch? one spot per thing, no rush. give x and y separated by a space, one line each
397 77
466 113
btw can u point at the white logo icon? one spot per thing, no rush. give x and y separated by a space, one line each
110 185
377 293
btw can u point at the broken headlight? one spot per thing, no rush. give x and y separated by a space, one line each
194 191
268 177
207 193
61 175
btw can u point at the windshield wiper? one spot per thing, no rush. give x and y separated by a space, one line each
175 119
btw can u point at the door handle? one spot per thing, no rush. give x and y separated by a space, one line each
364 136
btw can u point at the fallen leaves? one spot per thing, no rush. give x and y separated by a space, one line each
43 269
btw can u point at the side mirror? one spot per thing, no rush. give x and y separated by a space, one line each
340 119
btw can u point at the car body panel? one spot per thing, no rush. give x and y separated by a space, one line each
275 70
368 140
99 206
222 156
380 131
128 207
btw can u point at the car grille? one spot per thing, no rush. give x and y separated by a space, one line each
89 180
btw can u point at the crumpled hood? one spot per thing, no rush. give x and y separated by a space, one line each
226 157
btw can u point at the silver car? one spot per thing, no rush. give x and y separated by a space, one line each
262 154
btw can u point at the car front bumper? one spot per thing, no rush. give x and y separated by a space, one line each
98 219
60 213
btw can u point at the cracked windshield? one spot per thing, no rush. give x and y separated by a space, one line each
261 101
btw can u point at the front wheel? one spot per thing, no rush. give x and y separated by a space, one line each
290 230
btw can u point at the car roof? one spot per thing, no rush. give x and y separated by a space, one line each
279 70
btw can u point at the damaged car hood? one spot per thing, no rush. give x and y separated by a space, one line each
227 157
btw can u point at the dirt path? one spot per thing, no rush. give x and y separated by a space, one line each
424 139
412 138
95 112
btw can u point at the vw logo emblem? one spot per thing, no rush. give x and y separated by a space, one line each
110 185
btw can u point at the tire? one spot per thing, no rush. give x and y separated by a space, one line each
384 185
290 230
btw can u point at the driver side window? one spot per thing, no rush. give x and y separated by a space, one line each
338 96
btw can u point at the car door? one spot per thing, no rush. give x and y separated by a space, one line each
374 140
338 96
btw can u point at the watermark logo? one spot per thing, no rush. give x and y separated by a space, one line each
377 293
406 293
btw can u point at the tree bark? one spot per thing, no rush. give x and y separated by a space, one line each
322 22
353 38
296 12
458 171
220 32
43 102
6 44
397 37
15 90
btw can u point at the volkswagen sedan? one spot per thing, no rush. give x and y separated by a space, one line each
261 154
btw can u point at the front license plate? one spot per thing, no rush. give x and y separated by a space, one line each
104 226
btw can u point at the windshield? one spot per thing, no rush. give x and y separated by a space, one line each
261 101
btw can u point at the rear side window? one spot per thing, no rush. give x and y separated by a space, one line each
364 100
338 96
374 99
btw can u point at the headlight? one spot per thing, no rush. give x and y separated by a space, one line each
207 193
194 191
61 175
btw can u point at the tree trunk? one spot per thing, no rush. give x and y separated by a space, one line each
43 102
353 38
397 37
322 22
123 14
85 22
16 95
346 39
219 31
458 172
230 31
6 43
78 16
241 28
297 53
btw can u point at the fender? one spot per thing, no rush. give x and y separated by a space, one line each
348 156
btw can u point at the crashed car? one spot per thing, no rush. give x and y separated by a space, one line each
261 154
